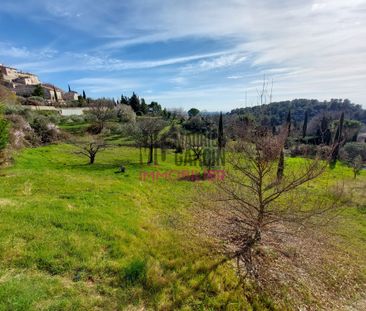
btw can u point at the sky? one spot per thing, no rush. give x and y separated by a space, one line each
208 54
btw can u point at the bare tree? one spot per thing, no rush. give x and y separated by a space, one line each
90 148
254 199
147 135
357 166
100 111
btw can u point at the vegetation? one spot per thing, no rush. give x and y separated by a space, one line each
90 147
38 91
276 113
75 236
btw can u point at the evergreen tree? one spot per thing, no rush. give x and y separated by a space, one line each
84 95
124 100
155 108
193 112
69 87
337 142
305 125
288 122
220 136
134 102
324 133
56 97
281 166
144 108
339 133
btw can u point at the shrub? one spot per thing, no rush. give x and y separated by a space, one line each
6 96
21 133
4 133
126 114
303 150
352 150
46 130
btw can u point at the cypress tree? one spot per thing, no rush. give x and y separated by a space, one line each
339 133
337 142
69 87
281 166
124 100
84 95
134 102
288 121
305 125
54 90
144 107
220 137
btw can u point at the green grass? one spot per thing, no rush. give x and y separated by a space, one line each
81 237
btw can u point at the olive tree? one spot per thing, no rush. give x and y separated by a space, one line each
89 147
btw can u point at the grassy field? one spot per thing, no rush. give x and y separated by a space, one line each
81 237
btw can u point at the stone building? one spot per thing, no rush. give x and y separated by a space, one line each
9 74
52 93
70 95
24 84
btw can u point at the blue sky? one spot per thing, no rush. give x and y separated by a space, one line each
209 54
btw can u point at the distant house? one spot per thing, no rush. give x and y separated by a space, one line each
52 93
23 90
71 95
23 84
9 74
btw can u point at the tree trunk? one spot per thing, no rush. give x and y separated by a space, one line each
151 153
92 159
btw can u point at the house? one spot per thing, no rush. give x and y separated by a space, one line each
23 90
52 93
70 95
9 74
24 84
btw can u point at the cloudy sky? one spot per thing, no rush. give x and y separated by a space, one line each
209 54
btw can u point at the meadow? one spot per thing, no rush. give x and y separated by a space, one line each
83 237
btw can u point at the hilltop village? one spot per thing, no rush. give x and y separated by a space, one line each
28 85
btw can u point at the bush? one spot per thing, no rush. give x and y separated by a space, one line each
45 130
14 109
303 151
21 133
311 151
4 133
126 114
352 150
6 96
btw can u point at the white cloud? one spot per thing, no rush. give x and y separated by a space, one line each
7 50
235 77
309 47
216 63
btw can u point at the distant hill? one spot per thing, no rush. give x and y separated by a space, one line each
276 112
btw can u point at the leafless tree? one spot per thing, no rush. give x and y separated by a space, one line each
100 111
253 198
147 135
89 148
